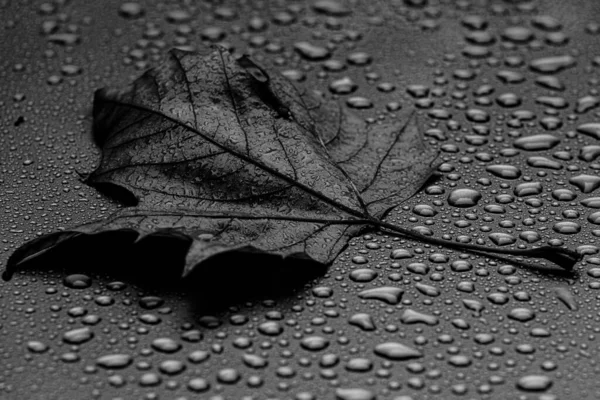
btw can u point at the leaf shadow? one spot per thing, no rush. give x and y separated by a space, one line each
155 264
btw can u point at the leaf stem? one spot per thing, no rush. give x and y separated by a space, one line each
561 256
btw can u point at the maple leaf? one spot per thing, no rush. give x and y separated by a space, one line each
229 157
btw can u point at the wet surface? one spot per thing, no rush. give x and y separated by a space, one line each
507 90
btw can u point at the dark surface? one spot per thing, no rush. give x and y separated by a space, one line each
267 308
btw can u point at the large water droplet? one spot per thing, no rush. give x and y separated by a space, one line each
78 336
585 183
363 321
543 141
534 383
114 361
591 129
464 197
311 52
354 394
387 294
410 316
396 351
551 65
78 281
504 171
521 314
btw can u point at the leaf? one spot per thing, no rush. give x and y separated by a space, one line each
221 153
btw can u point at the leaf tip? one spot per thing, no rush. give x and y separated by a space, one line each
561 256
7 275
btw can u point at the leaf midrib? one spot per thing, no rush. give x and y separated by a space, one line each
235 153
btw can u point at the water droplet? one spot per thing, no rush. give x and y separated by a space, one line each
510 77
551 65
594 218
151 302
552 101
166 345
363 275
198 356
477 115
131 10
461 266
464 197
585 183
37 347
428 290
459 360
254 361
591 202
521 314
424 210
566 297
502 239
322 291
530 236
114 361
508 100
504 171
314 343
517 34
150 379
387 294
474 22
228 376
104 301
212 34
171 367
480 38
359 365
363 321
396 351
543 162
343 86
546 23
399 254
418 268
65 39
543 141
359 58
534 383
354 394
359 260
358 102
410 316
198 385
591 129
270 328
498 298
473 305
550 82
78 281
78 336
589 153
311 52
587 103
149 319
528 189
194 335
331 8
567 227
